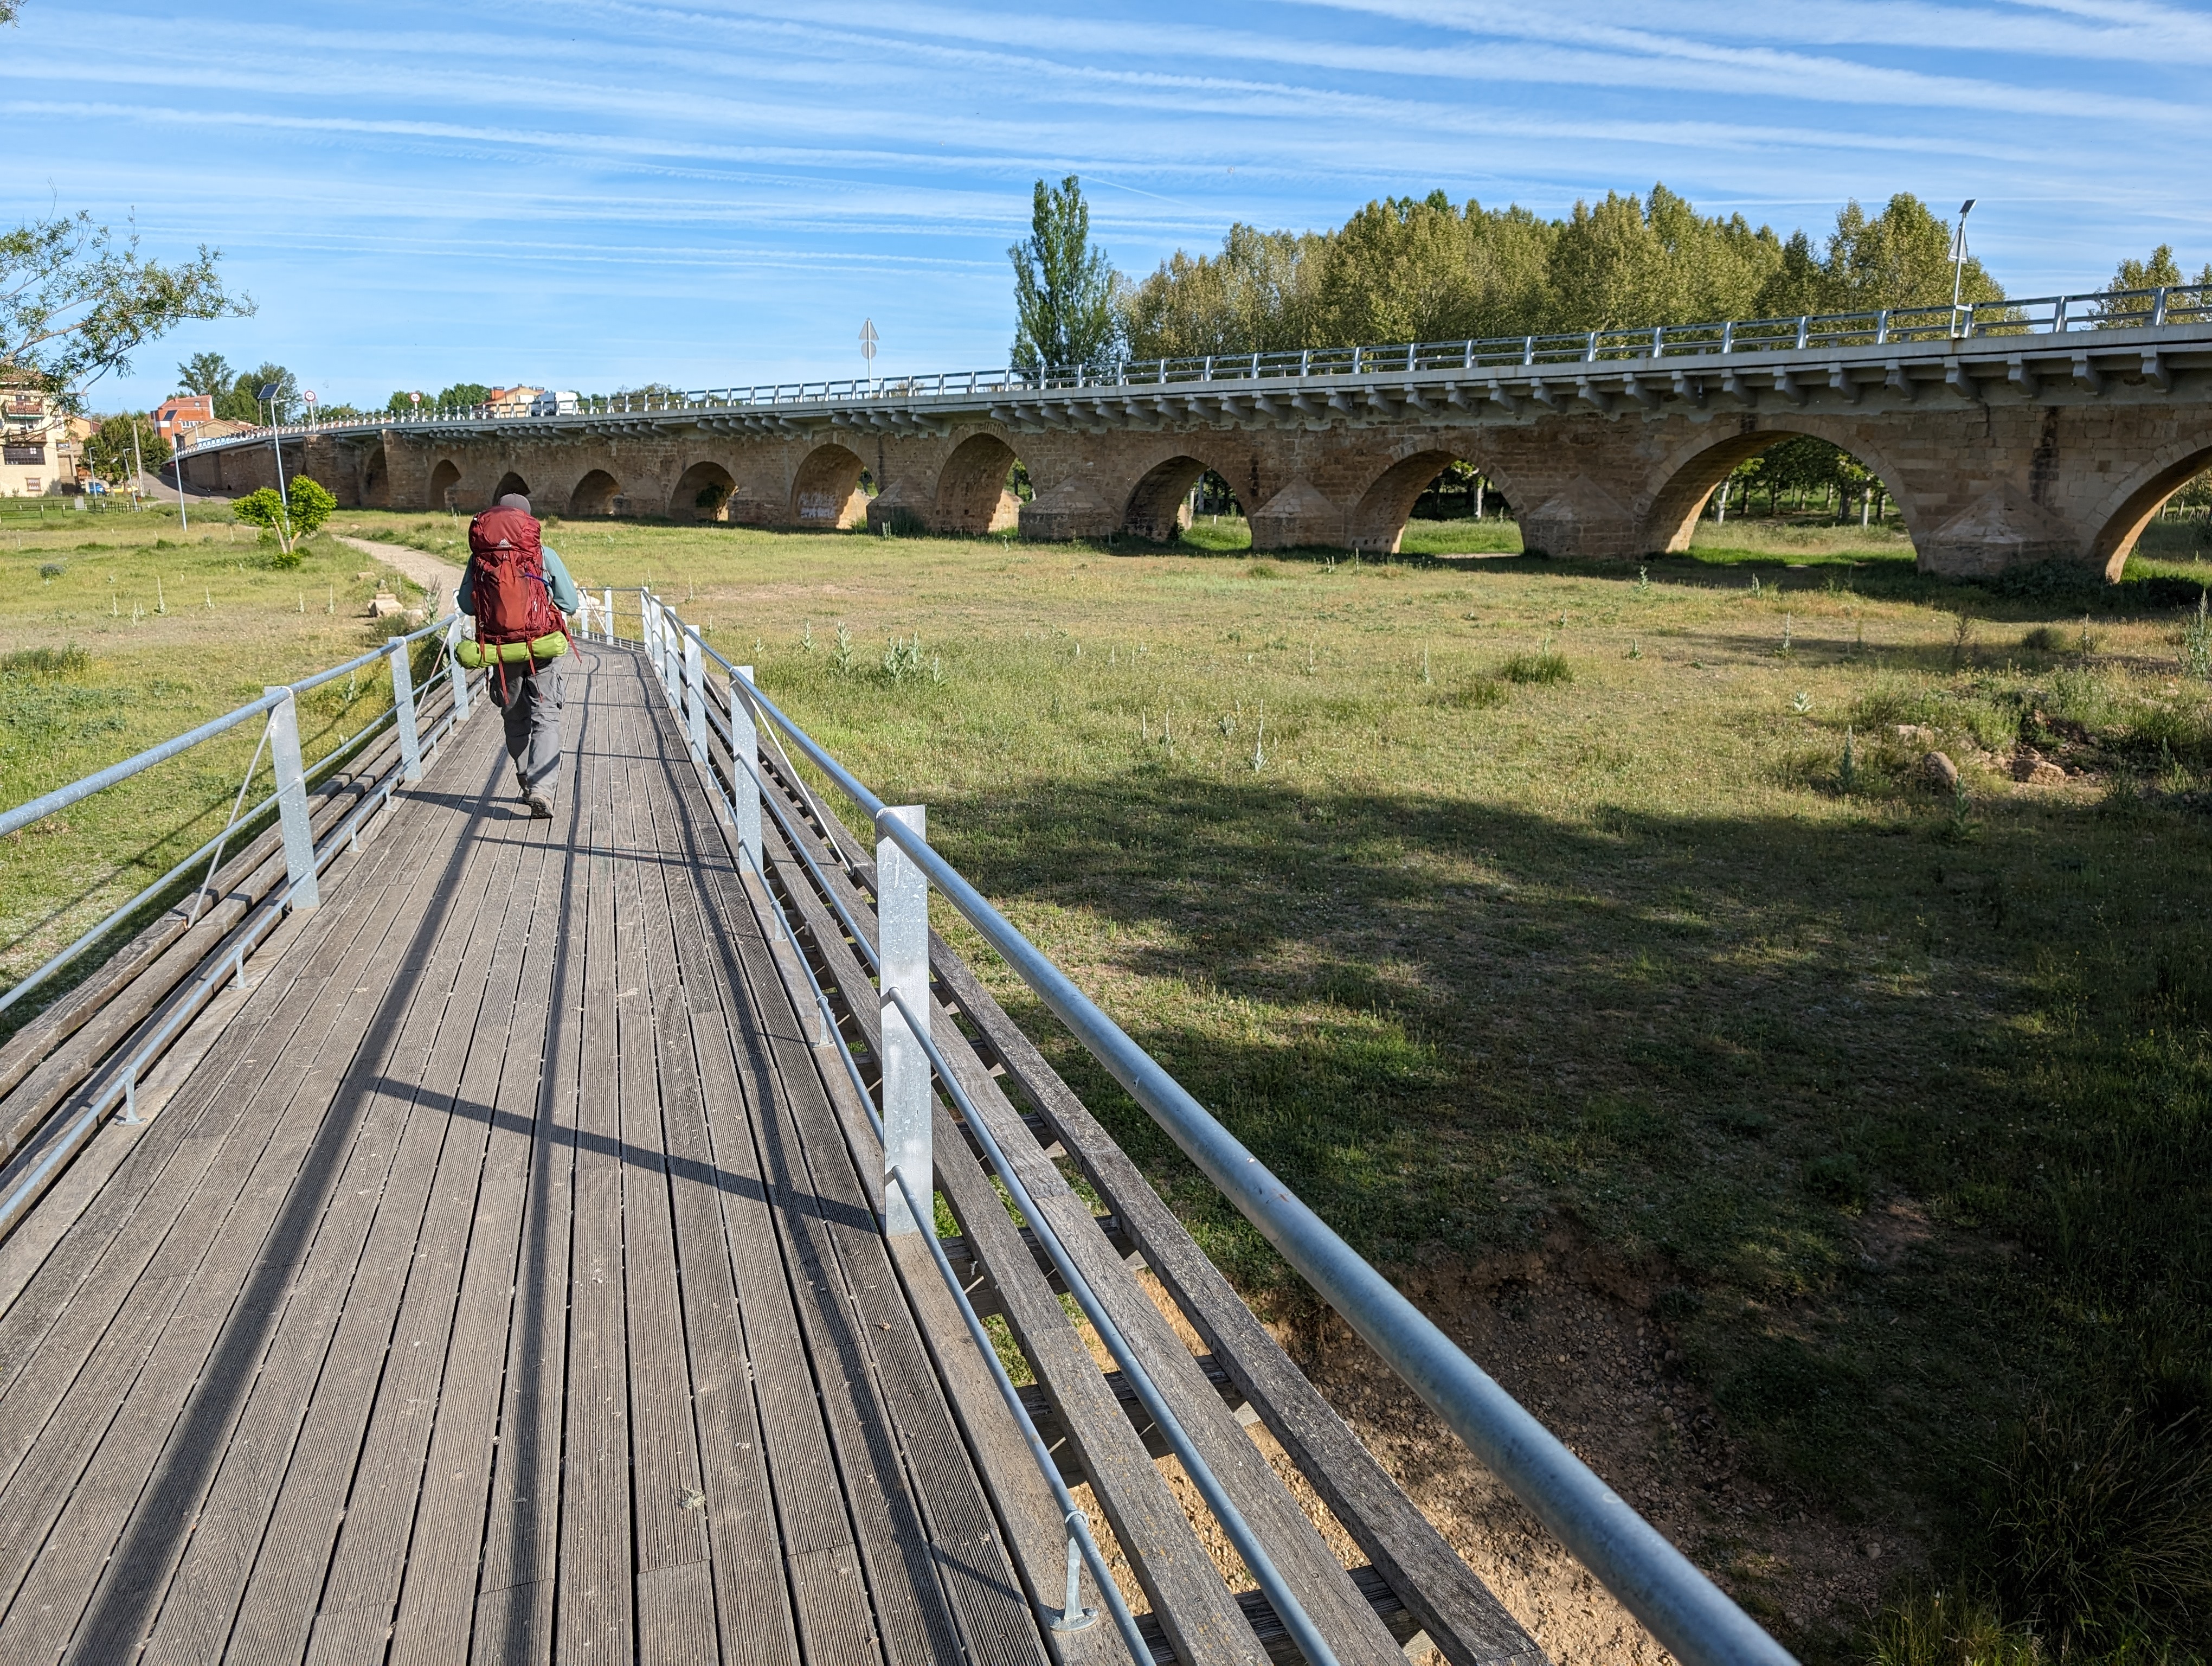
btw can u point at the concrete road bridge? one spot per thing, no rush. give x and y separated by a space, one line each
2028 431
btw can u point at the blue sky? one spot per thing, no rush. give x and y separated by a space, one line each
593 195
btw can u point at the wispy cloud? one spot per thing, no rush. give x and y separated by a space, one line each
596 190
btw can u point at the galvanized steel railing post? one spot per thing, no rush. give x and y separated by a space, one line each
457 674
745 753
902 949
610 612
403 708
292 800
695 704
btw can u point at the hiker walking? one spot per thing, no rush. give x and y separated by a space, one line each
520 594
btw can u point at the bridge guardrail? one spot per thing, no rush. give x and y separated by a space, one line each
2062 314
304 855
1683 1609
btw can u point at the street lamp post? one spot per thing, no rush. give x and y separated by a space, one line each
1959 261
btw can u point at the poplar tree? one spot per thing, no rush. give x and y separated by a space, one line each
1066 289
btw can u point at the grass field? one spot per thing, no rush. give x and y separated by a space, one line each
1506 905
120 629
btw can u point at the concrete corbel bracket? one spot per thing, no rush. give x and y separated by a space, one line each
1455 396
2155 370
1590 394
1897 383
1840 382
1499 397
1649 398
2018 373
1689 387
1956 379
1785 384
1739 390
1412 396
2087 375
1544 393
1337 402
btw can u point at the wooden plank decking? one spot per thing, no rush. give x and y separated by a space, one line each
501 1286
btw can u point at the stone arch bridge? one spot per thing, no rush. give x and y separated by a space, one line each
2014 444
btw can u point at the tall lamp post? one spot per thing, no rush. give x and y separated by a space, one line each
1959 260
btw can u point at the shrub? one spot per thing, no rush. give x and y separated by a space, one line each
43 661
2102 1525
51 570
2045 639
1547 666
310 504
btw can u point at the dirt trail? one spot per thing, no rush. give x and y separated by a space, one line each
426 569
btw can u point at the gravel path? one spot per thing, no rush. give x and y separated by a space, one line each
424 569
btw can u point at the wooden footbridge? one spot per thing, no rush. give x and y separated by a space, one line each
447 1237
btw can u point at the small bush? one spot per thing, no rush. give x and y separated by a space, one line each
1263 569
1948 1628
2102 1525
43 661
51 570
1548 666
2045 639
1837 1179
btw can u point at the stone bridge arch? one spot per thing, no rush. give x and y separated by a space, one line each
445 481
1377 520
376 479
1153 506
510 481
595 495
1666 512
2118 520
971 495
826 491
702 493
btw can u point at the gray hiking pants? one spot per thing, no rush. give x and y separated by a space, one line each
531 703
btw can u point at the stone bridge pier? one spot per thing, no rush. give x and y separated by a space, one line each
1997 451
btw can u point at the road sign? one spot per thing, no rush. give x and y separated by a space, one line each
868 339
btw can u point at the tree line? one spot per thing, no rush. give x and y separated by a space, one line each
1426 269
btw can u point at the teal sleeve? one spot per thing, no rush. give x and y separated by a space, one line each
558 582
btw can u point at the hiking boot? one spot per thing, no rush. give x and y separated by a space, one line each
541 806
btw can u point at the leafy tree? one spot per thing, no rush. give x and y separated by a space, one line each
1410 269
242 401
1900 257
206 372
73 305
109 453
1065 290
310 504
2161 270
463 396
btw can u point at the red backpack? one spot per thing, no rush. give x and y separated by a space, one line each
512 603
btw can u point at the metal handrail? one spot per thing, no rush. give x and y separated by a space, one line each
1081 1542
1683 1609
1291 1612
121 1089
2061 314
61 798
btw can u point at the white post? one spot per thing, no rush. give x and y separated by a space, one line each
403 704
457 674
609 618
695 703
903 942
292 801
745 753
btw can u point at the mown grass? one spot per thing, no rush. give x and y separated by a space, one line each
119 631
1490 899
